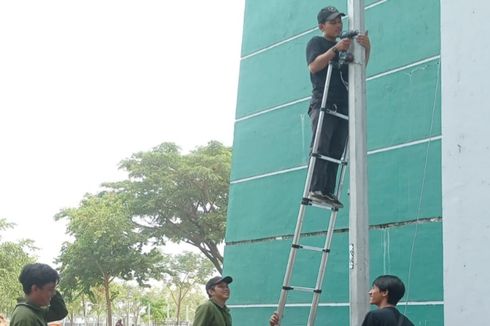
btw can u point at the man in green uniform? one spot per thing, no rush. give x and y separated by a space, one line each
214 312
42 302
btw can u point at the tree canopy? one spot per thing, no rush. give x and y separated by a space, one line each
13 256
105 247
186 271
180 197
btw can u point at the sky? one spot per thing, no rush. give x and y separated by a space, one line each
85 84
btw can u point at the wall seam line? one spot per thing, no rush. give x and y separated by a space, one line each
371 152
329 304
383 226
379 75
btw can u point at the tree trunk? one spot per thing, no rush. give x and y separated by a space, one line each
84 310
108 300
179 301
212 254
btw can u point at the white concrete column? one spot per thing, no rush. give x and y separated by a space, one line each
358 210
465 73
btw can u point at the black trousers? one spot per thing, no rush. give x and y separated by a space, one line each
333 138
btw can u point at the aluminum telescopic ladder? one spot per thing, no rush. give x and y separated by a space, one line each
307 201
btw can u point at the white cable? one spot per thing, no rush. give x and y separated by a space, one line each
422 189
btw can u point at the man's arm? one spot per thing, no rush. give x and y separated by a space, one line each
322 60
57 308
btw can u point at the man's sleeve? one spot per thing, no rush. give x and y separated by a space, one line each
369 320
313 50
22 322
20 319
57 308
201 317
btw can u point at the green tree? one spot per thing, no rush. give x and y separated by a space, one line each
155 308
130 303
13 256
76 307
187 271
97 305
105 247
180 197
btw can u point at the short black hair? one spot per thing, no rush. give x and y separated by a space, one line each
37 274
392 284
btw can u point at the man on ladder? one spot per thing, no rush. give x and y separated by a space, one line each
320 52
327 61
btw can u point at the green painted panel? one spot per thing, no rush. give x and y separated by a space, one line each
405 184
397 37
386 23
414 252
432 315
274 77
326 316
269 206
264 207
332 316
259 269
274 141
279 20
404 106
280 75
419 267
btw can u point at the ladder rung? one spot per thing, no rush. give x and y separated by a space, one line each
302 289
314 248
320 249
327 158
323 205
339 115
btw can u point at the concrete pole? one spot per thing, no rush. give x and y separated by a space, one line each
358 219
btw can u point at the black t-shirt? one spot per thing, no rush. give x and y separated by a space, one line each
388 316
337 93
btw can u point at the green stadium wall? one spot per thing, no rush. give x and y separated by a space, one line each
270 153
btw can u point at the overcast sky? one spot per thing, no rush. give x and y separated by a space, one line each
84 84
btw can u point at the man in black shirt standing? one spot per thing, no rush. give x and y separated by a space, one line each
320 51
387 290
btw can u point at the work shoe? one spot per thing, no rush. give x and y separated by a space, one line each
334 200
319 198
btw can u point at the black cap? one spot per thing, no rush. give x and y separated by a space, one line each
328 13
218 279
